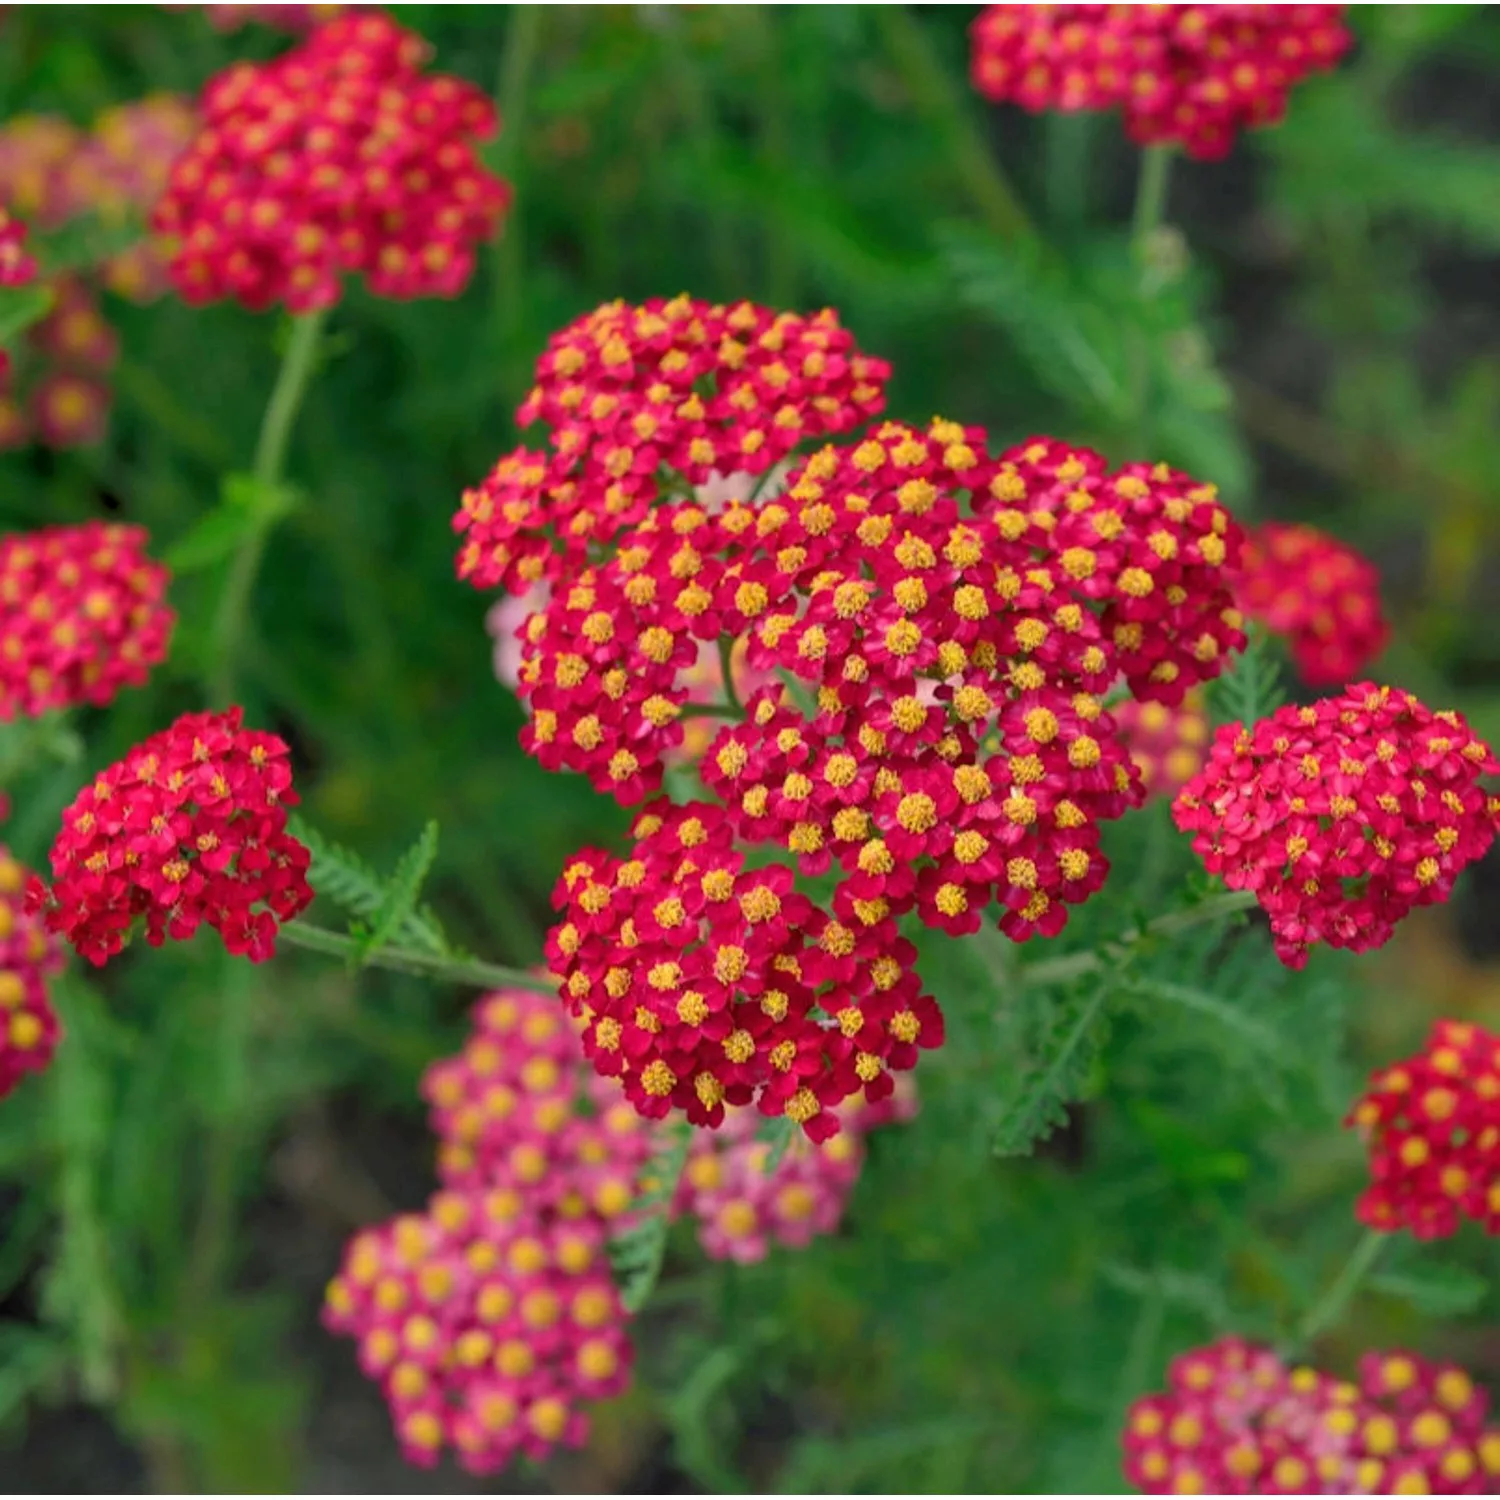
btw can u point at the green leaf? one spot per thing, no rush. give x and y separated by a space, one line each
246 508
30 1358
1435 1290
399 901
1073 1028
637 1253
345 878
1074 349
20 307
1251 689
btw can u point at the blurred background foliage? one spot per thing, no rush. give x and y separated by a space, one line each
1317 334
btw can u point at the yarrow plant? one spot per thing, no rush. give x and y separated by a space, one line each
29 1030
1236 1420
83 613
1432 1123
188 829
1321 595
1342 815
864 687
341 157
1187 75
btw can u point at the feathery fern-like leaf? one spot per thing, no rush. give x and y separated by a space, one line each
637 1253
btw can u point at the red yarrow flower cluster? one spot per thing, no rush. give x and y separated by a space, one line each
1235 1420
702 984
487 1327
341 157
744 1205
189 828
677 390
82 615
1189 75
29 1030
1432 1123
1324 597
1169 745
1343 815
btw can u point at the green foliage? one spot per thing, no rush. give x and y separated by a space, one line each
1131 1140
389 904
1070 1031
638 1251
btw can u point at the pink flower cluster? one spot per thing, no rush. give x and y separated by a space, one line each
632 394
340 157
1433 1127
1322 596
83 613
1343 815
1168 745
54 173
29 1031
1236 1421
516 1110
486 1325
1189 75
189 828
62 397
743 1208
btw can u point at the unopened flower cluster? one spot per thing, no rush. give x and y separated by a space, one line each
1344 815
188 829
1432 1123
1235 1420
1189 75
29 1030
1322 596
340 157
83 613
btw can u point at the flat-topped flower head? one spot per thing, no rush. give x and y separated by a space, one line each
703 984
1342 815
341 157
190 828
1188 75
519 1110
1235 1420
29 1030
1169 745
487 1332
639 397
1432 1124
1321 595
83 613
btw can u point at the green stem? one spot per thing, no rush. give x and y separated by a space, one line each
1076 965
1150 198
1330 1306
949 111
726 668
270 458
409 961
521 44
